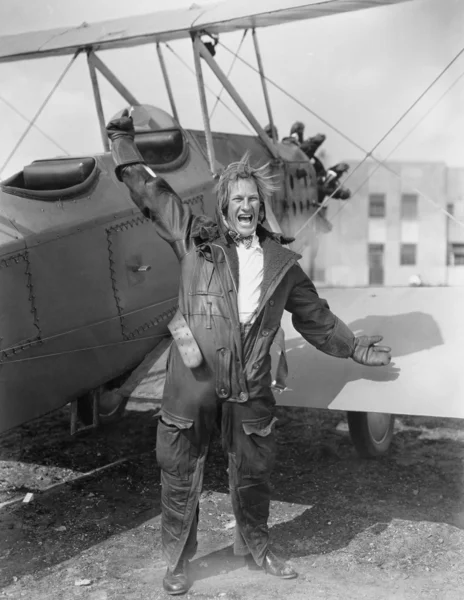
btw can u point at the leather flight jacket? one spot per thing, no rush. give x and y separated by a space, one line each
233 369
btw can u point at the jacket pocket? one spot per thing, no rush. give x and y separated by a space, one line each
204 280
173 443
223 365
256 455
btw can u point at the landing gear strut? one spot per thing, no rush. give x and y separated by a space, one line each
98 407
371 433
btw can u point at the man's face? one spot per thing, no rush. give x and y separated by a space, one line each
243 209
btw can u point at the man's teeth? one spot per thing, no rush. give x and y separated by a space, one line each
245 218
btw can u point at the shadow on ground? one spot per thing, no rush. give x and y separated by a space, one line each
323 495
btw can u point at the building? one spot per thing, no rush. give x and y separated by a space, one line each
392 231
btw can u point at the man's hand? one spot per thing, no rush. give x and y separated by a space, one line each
367 353
122 127
122 134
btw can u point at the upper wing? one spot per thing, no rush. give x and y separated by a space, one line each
164 26
230 16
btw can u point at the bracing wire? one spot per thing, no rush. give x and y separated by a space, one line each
424 116
427 89
403 139
379 164
284 91
218 97
90 325
366 152
332 127
210 90
38 113
74 350
44 133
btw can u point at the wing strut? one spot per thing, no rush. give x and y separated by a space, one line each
218 97
190 70
100 66
203 51
98 102
167 82
204 106
111 78
263 83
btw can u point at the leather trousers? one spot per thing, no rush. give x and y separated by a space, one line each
182 445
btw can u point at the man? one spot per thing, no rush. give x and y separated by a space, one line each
328 182
296 134
331 185
297 130
312 144
271 131
236 280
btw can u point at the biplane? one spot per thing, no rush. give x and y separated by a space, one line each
87 288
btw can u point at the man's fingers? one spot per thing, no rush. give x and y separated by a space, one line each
374 339
383 348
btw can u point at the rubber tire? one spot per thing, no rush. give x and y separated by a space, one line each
368 446
108 413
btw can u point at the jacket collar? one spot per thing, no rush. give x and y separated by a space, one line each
275 257
205 231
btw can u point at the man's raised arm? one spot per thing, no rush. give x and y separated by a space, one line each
152 195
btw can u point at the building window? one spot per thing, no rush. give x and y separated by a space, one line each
408 254
376 206
450 208
457 255
375 259
409 207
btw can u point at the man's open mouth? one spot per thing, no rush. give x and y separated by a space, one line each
245 219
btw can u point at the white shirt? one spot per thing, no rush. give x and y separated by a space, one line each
250 266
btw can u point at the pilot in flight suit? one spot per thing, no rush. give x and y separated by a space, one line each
236 280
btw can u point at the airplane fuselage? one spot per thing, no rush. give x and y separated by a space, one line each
87 287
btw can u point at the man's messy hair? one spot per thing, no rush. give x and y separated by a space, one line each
242 169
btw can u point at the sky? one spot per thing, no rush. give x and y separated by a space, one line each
360 72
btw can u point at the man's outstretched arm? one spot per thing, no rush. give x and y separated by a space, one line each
151 194
313 319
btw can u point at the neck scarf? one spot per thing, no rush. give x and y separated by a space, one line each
240 239
235 236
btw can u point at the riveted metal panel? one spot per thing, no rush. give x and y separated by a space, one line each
72 287
19 322
145 276
196 204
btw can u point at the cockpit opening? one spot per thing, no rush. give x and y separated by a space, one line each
55 178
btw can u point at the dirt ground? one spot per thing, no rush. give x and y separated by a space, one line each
388 528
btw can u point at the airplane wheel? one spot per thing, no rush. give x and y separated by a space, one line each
111 405
371 433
